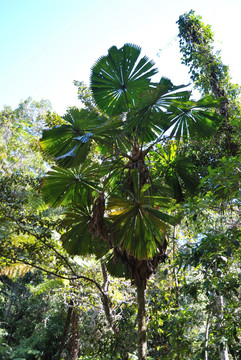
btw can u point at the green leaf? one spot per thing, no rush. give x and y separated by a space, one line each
115 266
77 239
119 78
136 226
193 119
70 143
63 186
151 116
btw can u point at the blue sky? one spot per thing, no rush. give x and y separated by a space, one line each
46 44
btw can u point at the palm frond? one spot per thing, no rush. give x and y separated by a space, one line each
70 143
195 119
150 117
178 171
62 186
119 78
137 227
77 239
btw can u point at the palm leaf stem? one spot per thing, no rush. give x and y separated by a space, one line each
113 190
127 104
160 138
110 177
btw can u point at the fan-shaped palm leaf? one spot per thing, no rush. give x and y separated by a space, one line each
119 78
70 143
135 229
151 116
194 119
178 171
62 186
115 266
77 239
137 226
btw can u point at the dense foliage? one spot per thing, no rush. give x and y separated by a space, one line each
127 219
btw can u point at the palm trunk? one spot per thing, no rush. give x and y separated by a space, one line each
141 318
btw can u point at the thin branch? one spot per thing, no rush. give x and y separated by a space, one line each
40 238
77 277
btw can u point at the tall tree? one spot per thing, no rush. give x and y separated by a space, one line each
120 170
207 70
211 76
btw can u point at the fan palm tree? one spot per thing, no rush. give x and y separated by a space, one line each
115 174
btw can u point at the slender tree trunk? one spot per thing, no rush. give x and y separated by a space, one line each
207 335
9 305
141 318
224 348
224 354
66 330
175 269
106 305
106 301
177 304
73 345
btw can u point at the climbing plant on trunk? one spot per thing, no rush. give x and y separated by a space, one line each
207 71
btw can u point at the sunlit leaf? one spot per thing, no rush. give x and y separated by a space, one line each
119 78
